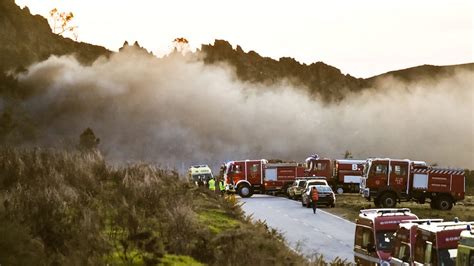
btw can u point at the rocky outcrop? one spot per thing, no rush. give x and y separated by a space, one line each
319 78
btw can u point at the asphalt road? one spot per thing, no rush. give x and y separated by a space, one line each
308 233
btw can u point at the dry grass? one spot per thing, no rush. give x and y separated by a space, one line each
348 206
71 208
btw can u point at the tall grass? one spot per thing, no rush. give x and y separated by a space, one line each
71 208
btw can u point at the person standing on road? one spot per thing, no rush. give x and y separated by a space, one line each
314 198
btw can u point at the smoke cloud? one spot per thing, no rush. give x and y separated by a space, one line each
177 111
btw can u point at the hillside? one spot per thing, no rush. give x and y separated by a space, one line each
423 72
318 78
25 39
78 210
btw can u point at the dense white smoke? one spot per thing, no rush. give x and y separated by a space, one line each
178 111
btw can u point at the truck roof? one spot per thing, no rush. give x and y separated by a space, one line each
385 219
351 161
408 224
445 234
444 226
439 170
200 169
270 165
467 238
200 165
419 163
241 161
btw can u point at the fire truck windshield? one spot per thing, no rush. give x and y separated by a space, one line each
384 240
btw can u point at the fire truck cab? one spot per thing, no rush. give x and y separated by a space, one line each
466 247
374 234
436 243
403 249
388 181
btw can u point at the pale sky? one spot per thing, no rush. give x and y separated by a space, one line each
362 38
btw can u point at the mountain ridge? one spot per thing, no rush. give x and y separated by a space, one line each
26 39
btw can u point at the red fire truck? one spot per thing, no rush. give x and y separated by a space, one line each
436 243
374 234
403 250
250 176
387 181
342 175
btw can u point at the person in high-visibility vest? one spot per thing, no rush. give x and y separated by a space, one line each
212 184
314 198
222 186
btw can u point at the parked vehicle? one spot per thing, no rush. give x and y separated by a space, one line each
258 176
374 234
200 174
403 249
387 181
436 243
325 194
296 189
465 254
342 175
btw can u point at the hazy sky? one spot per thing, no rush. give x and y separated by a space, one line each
362 38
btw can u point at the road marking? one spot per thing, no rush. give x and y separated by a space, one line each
335 216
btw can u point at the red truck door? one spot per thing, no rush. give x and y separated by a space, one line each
254 172
398 175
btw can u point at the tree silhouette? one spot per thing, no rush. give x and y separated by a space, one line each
348 155
88 140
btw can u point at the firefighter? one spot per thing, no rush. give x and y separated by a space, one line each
314 198
212 184
222 186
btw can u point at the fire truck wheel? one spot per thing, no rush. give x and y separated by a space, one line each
340 190
302 203
388 200
244 191
445 203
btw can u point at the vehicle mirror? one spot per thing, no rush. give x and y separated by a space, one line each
370 248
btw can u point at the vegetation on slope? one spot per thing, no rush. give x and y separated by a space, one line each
72 208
